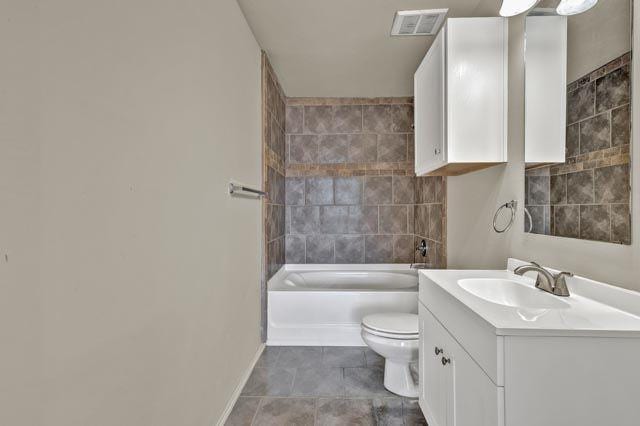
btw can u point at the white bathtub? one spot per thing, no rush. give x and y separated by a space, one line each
322 305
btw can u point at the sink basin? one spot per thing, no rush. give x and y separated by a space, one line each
511 293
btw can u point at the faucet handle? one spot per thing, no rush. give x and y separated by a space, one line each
422 248
560 284
559 278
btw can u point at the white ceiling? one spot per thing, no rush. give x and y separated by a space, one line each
342 48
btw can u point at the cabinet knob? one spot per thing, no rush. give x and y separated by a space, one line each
438 351
446 361
436 151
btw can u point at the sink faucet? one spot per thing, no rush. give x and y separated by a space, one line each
547 281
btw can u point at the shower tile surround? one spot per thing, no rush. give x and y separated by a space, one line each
588 196
273 176
351 193
273 143
340 183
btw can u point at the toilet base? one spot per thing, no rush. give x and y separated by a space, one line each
398 379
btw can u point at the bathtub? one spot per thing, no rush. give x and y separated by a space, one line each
323 305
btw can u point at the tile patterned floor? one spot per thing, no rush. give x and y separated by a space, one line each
321 386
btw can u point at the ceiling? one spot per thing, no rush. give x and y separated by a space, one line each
342 48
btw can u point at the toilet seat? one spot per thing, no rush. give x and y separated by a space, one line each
392 325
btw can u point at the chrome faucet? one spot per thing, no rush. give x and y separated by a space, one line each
422 249
547 281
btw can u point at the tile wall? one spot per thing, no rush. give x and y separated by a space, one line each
430 219
350 189
273 172
588 196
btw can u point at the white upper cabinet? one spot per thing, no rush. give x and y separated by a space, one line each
460 91
545 89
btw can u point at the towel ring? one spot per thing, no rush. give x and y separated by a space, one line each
526 212
513 206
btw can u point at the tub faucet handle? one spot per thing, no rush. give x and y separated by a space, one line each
422 248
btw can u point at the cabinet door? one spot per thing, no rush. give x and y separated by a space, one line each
476 93
456 392
433 396
472 399
429 112
545 89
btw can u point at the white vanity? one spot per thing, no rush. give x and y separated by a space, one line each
496 351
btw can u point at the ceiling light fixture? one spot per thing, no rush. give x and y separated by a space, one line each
516 7
573 7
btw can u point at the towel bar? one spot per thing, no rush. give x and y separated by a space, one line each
237 188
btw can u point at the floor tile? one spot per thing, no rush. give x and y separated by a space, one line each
373 359
328 386
365 382
388 411
244 411
269 357
299 356
412 413
337 356
270 382
338 412
286 411
318 381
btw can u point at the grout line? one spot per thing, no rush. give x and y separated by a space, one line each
610 114
610 224
315 411
255 415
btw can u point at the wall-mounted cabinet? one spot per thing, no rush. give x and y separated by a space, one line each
460 91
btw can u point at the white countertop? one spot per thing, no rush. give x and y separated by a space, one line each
593 309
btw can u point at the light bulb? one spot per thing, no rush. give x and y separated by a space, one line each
573 7
516 7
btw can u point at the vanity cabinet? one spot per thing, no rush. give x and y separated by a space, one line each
548 362
454 390
460 98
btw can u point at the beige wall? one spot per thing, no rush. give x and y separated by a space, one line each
597 37
473 198
131 291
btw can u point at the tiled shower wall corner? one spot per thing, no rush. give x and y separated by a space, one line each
350 189
588 196
273 171
430 219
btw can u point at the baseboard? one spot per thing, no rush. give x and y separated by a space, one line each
238 389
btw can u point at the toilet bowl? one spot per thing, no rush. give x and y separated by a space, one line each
394 336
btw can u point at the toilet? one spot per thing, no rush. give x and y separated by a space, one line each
394 336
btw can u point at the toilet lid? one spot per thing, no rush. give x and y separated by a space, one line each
393 323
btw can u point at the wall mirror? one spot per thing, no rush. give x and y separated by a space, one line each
578 122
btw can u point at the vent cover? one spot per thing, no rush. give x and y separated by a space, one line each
418 22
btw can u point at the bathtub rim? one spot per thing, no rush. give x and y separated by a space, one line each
275 283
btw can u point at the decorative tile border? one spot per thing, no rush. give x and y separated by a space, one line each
348 101
358 169
606 157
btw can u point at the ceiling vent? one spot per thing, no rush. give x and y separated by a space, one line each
418 22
